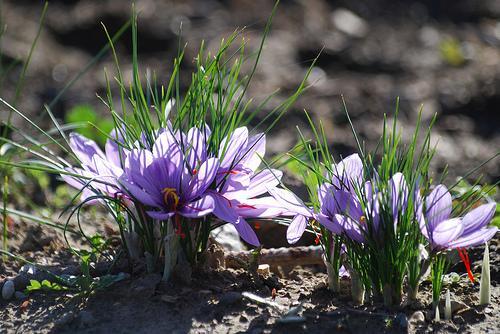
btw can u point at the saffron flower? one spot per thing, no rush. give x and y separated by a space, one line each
340 202
99 170
335 197
162 179
444 232
179 175
239 186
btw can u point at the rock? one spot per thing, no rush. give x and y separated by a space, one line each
417 318
64 319
71 270
21 281
28 269
264 270
401 320
8 289
349 23
228 237
19 295
86 319
230 298
456 306
293 319
214 256
459 320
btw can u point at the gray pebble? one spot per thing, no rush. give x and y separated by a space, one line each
64 319
21 281
401 320
28 269
230 298
8 290
417 318
19 295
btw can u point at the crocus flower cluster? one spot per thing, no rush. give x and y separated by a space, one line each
342 211
178 176
346 202
368 210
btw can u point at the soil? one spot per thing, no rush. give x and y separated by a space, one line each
214 302
394 49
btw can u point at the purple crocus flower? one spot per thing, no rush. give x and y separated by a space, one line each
334 198
162 180
301 212
178 176
239 187
444 232
348 173
99 170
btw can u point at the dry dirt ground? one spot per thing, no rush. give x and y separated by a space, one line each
213 303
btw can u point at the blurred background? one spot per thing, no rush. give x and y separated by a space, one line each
442 54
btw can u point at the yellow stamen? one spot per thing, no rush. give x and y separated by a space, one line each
170 198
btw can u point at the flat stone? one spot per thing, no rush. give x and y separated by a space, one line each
8 289
64 319
293 319
456 306
230 298
401 320
227 236
19 295
21 281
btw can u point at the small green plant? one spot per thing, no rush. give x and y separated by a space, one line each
496 219
44 285
86 282
451 52
86 118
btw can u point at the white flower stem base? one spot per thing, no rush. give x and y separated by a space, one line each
484 290
333 278
357 289
171 247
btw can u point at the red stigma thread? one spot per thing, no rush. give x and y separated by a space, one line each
233 172
178 227
465 259
246 206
